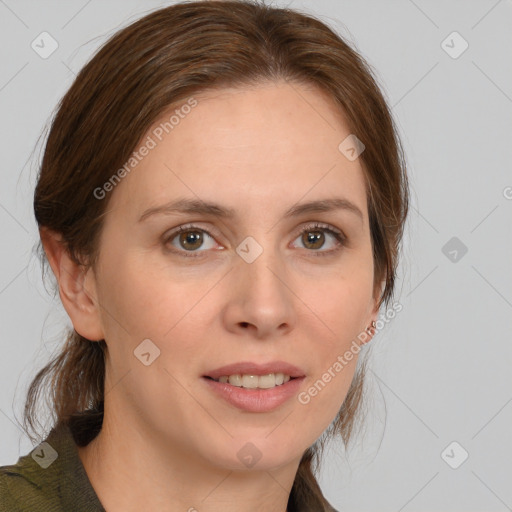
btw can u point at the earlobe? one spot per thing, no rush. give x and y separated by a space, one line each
370 328
78 300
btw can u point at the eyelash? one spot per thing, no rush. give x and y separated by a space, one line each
338 235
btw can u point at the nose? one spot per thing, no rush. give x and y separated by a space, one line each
260 296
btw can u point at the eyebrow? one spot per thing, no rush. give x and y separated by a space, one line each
193 206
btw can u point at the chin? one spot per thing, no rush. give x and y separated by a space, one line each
257 452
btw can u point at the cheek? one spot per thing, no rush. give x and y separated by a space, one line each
342 304
137 301
341 312
143 300
324 394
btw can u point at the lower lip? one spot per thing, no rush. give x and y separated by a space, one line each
256 400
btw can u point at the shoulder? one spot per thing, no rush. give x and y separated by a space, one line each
7 502
44 479
18 493
48 479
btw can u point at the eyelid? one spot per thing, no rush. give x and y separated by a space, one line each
210 230
312 225
191 226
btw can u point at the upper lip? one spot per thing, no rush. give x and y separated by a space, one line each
250 368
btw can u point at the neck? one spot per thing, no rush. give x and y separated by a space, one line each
133 469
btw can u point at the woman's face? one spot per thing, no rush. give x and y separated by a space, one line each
257 286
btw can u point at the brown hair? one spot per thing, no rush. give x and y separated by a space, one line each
158 61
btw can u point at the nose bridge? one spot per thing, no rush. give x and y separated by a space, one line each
260 261
261 276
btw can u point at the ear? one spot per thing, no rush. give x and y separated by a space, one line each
77 287
373 312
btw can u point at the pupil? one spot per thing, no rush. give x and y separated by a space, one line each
191 239
314 236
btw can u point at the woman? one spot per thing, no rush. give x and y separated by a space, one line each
221 201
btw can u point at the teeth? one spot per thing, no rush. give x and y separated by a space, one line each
252 381
255 381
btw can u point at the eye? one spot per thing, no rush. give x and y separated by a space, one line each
189 238
313 238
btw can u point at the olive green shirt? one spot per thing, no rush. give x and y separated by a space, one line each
52 478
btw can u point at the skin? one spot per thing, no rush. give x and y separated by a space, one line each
168 443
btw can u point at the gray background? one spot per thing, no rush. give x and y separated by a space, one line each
441 368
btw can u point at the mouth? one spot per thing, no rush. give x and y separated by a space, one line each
249 375
254 399
254 387
248 381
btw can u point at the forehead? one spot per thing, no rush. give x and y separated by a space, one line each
258 144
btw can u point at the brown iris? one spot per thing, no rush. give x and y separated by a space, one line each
191 239
313 237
